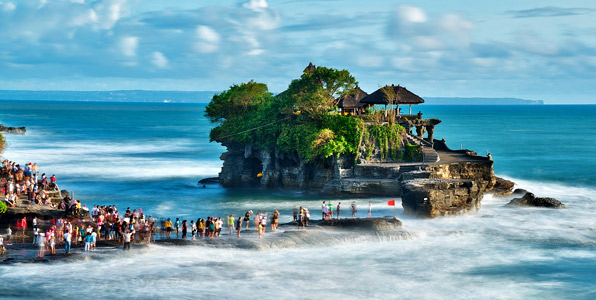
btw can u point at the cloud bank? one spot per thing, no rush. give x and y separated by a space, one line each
114 44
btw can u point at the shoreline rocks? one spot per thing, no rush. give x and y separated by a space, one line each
14 130
440 197
385 223
530 200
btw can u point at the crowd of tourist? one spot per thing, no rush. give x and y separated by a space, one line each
16 180
105 222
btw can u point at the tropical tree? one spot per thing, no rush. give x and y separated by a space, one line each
237 100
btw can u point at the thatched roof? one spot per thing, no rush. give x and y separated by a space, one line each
352 100
402 96
310 68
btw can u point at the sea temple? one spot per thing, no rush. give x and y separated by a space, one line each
362 145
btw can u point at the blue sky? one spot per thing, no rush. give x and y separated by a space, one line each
528 49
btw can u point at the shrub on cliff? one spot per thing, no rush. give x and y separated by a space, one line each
3 208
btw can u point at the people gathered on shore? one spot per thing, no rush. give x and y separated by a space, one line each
84 227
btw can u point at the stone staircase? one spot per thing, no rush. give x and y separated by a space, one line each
429 155
54 194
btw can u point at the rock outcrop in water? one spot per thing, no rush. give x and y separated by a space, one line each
386 223
530 200
454 184
347 148
16 130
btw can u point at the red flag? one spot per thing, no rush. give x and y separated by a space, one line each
391 202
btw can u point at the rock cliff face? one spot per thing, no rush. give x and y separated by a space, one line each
249 166
449 189
436 197
427 189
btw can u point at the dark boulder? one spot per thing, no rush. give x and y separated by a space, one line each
503 186
519 192
530 200
209 180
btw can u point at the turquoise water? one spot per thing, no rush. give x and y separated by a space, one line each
151 155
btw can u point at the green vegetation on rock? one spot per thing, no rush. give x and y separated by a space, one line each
386 137
412 152
3 208
303 119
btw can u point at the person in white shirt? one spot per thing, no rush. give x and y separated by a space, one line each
41 242
67 240
127 237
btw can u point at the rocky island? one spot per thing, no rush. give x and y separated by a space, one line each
325 134
16 130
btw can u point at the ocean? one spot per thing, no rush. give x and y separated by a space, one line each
151 155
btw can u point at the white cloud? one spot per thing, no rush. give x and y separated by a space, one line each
208 39
109 12
411 14
159 60
256 4
7 6
255 52
128 46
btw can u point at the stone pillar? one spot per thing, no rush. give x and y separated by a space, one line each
431 130
420 131
408 127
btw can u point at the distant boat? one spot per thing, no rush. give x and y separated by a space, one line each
167 101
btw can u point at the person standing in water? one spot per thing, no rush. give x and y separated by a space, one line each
301 218
184 229
247 218
41 243
369 208
323 210
67 241
177 226
274 220
193 229
238 226
354 210
127 238
169 228
231 224
338 209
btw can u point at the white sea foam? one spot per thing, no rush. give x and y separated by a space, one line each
114 160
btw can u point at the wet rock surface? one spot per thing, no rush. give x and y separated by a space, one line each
385 223
503 186
15 130
440 197
530 200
